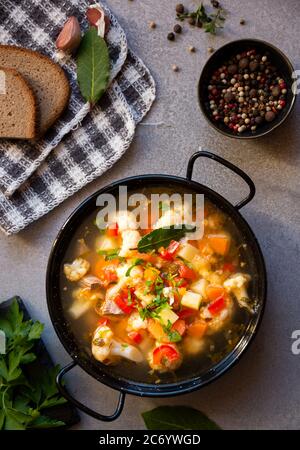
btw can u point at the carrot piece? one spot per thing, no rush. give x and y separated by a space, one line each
197 329
99 266
220 243
151 273
179 326
157 331
214 292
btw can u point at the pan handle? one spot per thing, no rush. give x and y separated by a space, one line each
85 409
229 165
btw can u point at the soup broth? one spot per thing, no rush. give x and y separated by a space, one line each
157 315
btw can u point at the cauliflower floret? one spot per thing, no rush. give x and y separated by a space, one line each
135 322
130 239
126 220
217 322
102 342
237 284
168 292
104 346
174 216
76 270
126 351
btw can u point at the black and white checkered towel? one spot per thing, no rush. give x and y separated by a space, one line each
35 24
87 151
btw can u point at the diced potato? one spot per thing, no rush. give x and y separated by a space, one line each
200 264
193 345
78 308
166 315
156 330
145 298
188 252
199 286
191 300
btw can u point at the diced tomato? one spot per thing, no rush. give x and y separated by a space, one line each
109 276
169 253
165 353
187 272
135 337
179 326
229 267
113 230
186 313
103 321
122 302
217 306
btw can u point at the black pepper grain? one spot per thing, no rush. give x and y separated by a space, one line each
171 36
177 28
191 21
179 8
232 69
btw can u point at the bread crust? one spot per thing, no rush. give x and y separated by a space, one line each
64 82
30 97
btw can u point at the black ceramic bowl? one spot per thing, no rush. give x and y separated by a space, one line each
224 53
188 381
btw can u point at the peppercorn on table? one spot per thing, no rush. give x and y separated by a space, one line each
261 391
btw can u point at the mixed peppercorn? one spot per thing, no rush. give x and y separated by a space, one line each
246 92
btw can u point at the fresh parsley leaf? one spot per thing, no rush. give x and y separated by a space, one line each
23 396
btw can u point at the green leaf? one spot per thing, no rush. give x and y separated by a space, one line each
162 237
14 359
46 422
2 418
177 418
36 331
14 315
3 368
93 66
137 262
5 326
28 358
16 420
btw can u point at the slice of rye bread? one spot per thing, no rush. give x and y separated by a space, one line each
17 106
46 78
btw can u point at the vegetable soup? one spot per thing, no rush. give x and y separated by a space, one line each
154 304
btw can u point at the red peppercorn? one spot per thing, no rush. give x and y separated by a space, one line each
282 103
214 92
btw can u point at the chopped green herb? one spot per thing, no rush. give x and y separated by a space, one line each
137 262
173 335
111 254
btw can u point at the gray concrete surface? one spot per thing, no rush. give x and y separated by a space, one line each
262 391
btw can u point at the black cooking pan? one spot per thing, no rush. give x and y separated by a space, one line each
106 374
